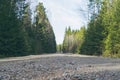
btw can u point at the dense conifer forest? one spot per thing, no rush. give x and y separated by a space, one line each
24 32
102 34
20 34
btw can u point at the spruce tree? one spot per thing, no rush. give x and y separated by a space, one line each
44 32
12 39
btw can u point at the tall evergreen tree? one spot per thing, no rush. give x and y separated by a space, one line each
111 21
27 26
44 33
12 40
92 44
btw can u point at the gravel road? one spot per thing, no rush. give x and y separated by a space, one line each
60 67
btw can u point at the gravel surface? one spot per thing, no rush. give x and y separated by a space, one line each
60 67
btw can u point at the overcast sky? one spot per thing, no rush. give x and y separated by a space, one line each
64 13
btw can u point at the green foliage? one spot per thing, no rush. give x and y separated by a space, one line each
44 32
92 44
102 36
112 40
12 39
73 40
18 35
103 32
59 48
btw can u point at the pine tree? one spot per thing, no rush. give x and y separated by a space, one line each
12 39
92 44
111 21
43 31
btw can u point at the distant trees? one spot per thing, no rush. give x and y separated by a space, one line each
102 36
19 35
59 48
73 40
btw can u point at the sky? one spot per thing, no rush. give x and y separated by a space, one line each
64 13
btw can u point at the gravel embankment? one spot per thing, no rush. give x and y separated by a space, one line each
59 67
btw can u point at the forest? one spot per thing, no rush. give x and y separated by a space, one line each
20 34
101 37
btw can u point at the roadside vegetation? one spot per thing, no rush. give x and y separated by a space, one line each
20 34
26 32
102 34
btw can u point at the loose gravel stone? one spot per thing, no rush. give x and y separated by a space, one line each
60 67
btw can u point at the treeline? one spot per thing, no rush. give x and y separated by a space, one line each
73 40
22 35
102 35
